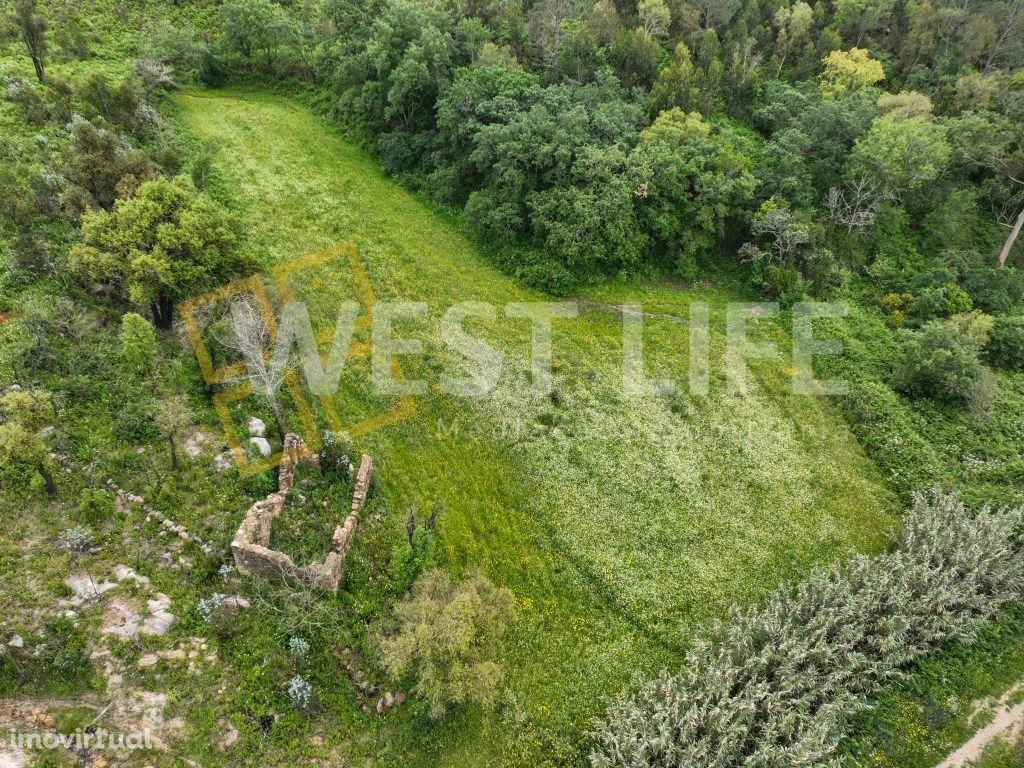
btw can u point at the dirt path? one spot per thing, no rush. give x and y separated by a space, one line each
1007 719
585 304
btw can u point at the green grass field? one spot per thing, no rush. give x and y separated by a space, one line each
623 522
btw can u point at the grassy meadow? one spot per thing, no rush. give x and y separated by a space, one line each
622 520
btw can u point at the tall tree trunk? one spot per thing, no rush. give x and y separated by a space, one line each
174 451
163 311
1011 239
275 410
45 473
38 64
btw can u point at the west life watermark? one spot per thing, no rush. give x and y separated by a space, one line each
295 337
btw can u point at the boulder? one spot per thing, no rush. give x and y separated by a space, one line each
262 445
257 427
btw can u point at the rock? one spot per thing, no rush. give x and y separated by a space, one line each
235 602
160 620
149 660
222 462
13 757
121 619
257 427
85 588
16 642
262 445
122 572
172 654
194 445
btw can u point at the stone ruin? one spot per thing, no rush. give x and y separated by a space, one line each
251 544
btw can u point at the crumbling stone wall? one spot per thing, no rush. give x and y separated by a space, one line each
251 545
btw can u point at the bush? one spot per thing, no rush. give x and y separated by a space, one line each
336 456
939 362
1006 343
775 685
414 552
135 423
95 506
138 344
446 638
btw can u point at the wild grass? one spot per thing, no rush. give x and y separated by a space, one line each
621 520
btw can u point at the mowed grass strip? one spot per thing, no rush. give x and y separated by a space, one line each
623 521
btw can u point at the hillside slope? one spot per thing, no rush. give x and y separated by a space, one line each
622 521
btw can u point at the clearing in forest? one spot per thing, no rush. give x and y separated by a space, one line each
623 521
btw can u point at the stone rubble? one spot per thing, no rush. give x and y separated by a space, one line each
251 545
124 499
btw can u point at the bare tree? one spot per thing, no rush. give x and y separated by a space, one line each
1006 48
1006 193
786 231
547 20
32 27
856 207
250 338
1014 233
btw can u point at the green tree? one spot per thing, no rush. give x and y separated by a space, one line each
478 96
849 72
604 22
655 17
676 85
691 181
1006 342
27 417
158 246
794 24
939 362
634 56
256 27
102 166
446 639
173 417
902 155
138 344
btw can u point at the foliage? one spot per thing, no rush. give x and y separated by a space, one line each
975 325
138 344
940 362
95 506
902 154
850 71
160 245
102 167
27 419
778 681
1006 342
446 639
300 692
335 456
414 552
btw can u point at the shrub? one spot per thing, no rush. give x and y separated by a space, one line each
135 423
1006 343
975 325
939 362
446 637
414 552
138 343
774 685
95 506
335 456
300 692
